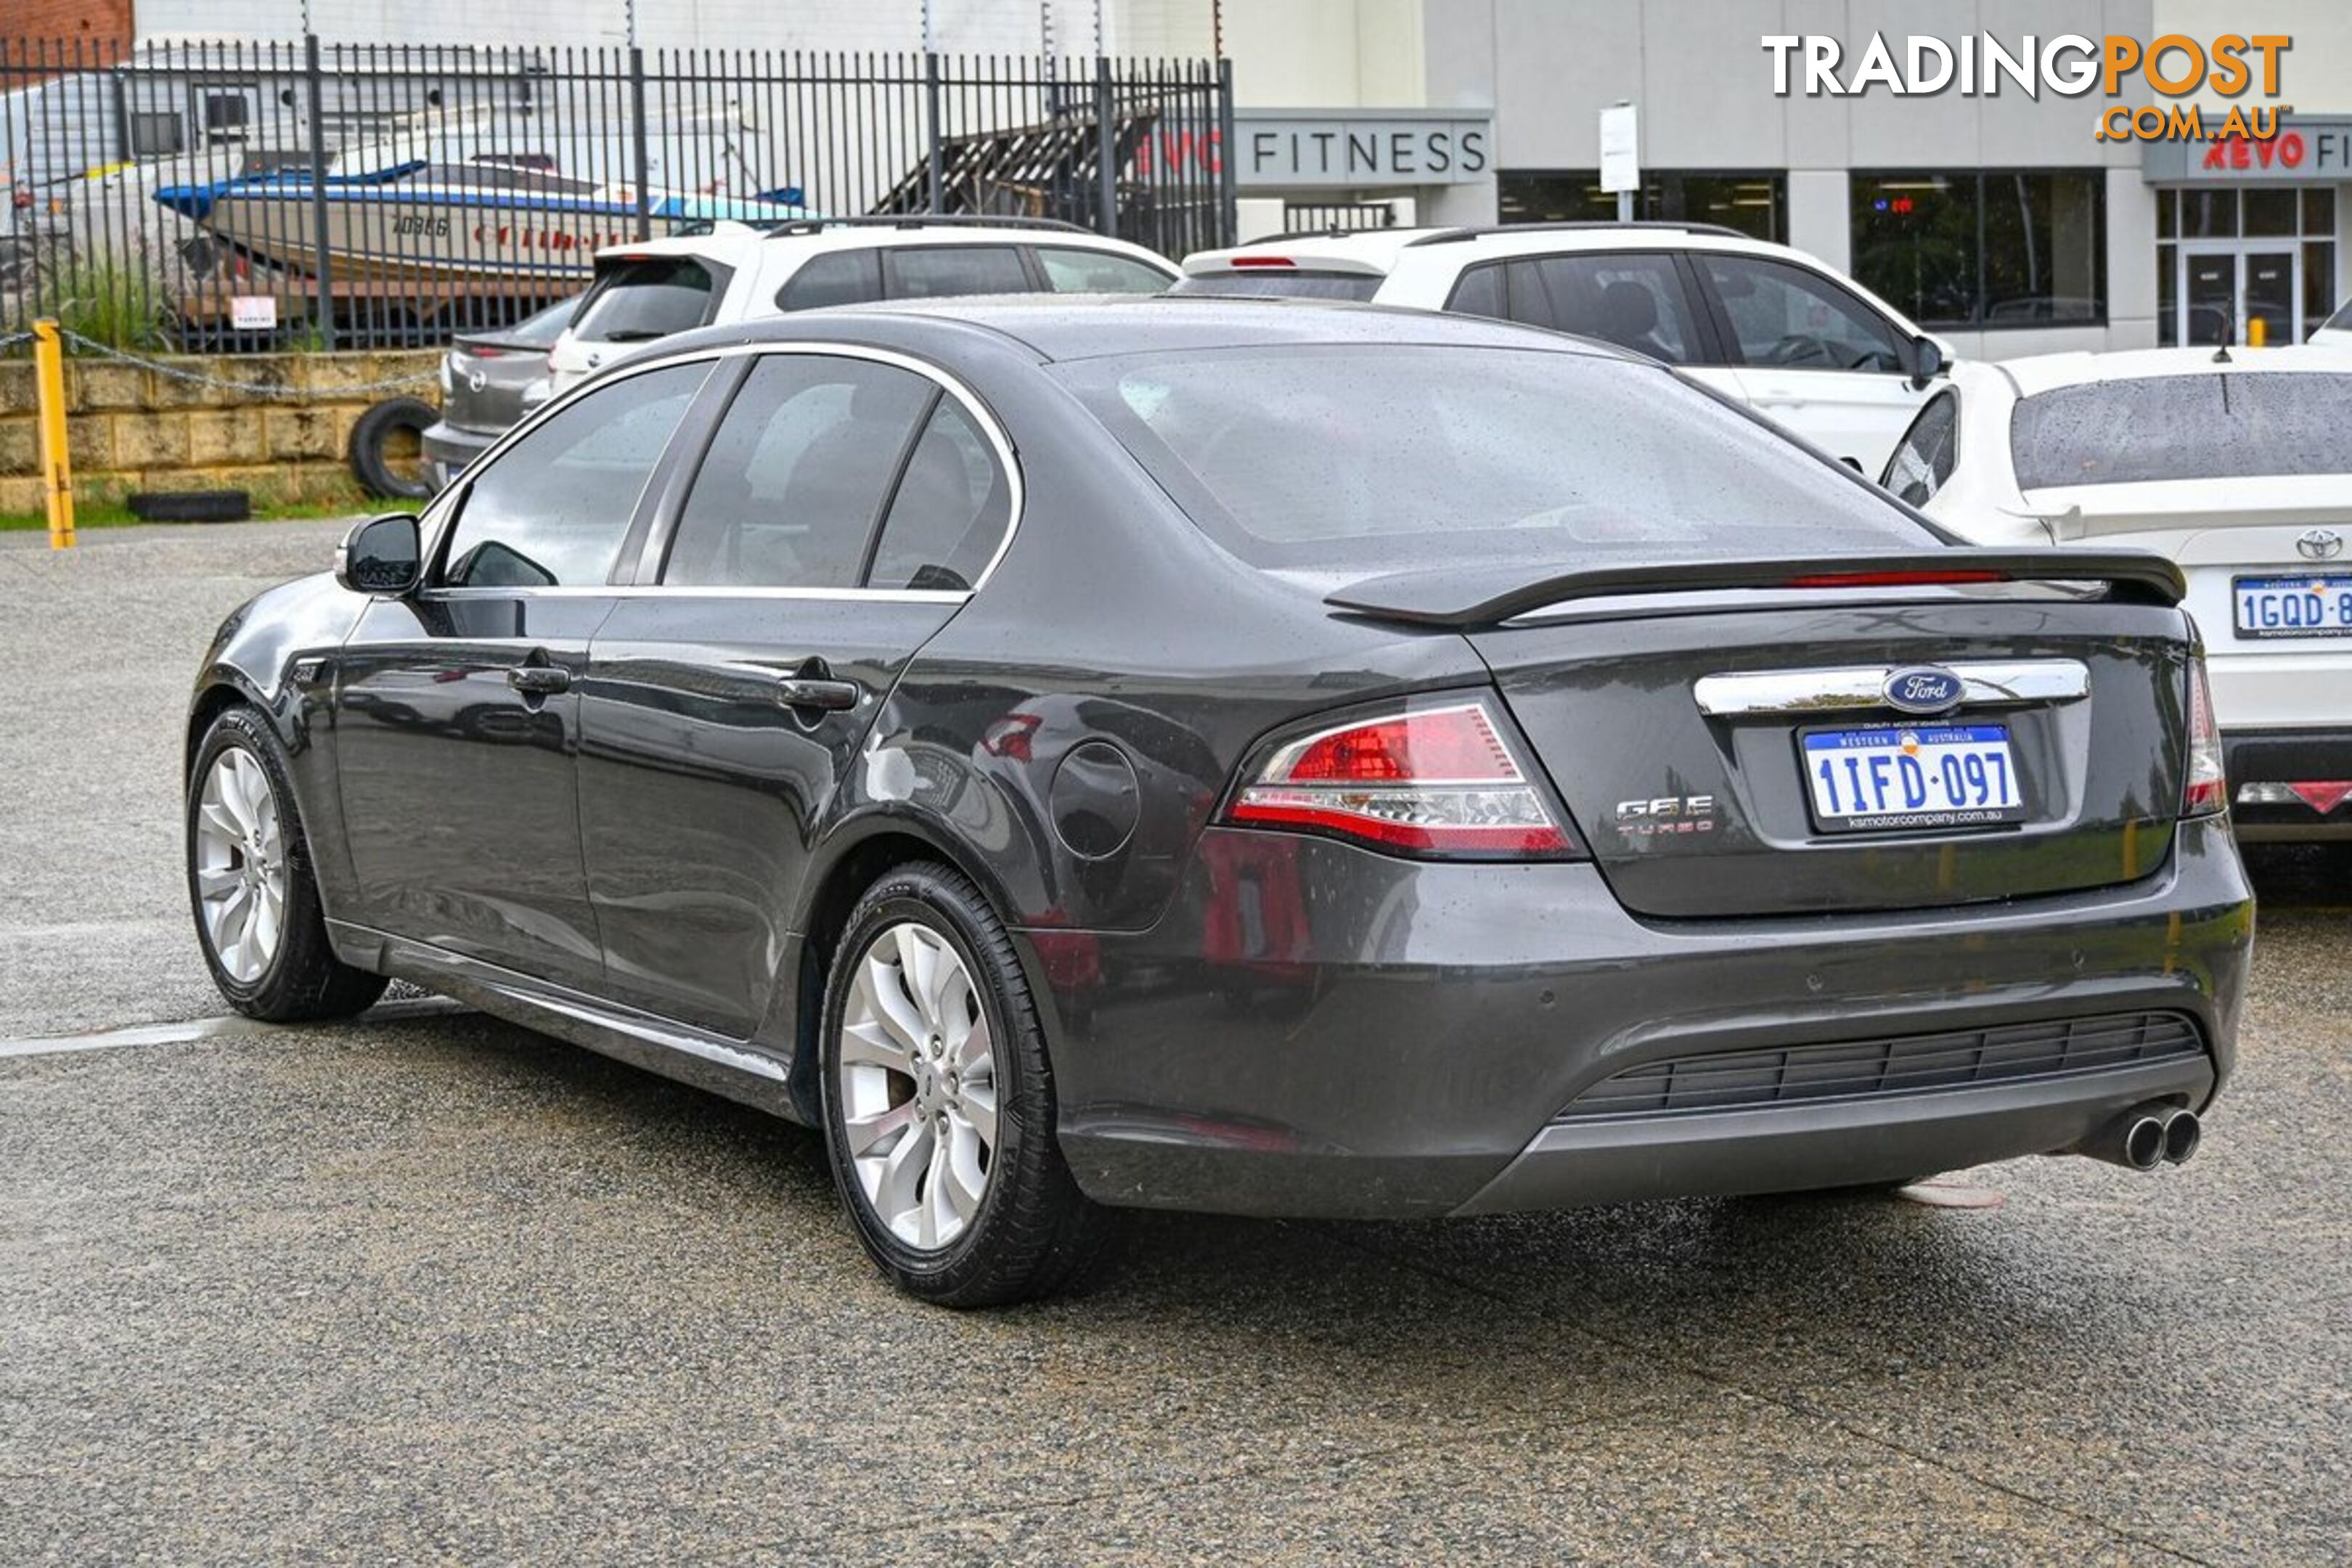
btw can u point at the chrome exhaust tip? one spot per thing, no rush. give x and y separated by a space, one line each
2182 1132
2135 1140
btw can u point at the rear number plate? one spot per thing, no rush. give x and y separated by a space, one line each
2317 607
1912 775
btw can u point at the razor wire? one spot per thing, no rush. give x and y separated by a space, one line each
223 384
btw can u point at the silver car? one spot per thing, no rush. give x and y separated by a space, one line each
485 379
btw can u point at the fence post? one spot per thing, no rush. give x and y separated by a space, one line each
931 119
1106 150
57 468
322 264
638 150
1229 212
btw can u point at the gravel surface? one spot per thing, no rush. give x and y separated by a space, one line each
437 1288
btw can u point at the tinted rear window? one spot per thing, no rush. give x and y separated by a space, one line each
537 330
2225 426
1404 456
1280 282
649 297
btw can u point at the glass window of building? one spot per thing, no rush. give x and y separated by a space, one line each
1754 203
1984 250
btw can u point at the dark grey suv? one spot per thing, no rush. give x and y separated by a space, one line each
1274 757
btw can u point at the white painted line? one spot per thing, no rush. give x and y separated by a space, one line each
211 1028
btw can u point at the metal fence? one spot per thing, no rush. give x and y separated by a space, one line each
235 197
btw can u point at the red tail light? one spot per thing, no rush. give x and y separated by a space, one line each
1010 737
1239 262
2207 791
1439 781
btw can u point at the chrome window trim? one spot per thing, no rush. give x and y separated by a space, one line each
2007 683
983 418
706 591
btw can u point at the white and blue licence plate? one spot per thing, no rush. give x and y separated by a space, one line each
2319 605
1912 775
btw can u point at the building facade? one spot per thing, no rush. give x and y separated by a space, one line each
2001 222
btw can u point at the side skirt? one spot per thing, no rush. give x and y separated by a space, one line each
739 1071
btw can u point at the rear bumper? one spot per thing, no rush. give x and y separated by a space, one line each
449 447
1314 1029
2259 757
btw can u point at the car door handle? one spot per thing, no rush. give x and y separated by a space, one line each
821 696
539 679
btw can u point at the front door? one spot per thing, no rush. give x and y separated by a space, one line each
456 712
1814 356
2226 288
844 509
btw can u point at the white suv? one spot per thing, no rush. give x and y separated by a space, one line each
1806 346
737 272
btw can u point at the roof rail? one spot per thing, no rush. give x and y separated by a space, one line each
1452 235
808 226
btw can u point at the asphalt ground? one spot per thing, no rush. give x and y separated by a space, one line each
429 1286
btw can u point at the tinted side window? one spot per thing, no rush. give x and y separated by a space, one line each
951 510
551 510
650 297
787 494
1783 315
837 278
1634 301
1069 271
1923 460
1478 293
928 271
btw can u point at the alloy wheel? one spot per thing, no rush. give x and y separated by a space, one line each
240 865
917 1086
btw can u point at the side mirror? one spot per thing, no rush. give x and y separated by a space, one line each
1926 361
380 555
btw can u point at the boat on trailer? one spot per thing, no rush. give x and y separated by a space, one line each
419 220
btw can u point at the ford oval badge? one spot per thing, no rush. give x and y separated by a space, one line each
1923 688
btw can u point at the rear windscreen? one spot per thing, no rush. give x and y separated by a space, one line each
1279 283
2223 425
650 297
1403 456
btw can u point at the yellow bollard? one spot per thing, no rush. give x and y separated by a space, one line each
57 472
2258 333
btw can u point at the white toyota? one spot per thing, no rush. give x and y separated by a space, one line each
2238 465
1803 344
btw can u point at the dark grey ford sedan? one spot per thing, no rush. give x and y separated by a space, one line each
1267 757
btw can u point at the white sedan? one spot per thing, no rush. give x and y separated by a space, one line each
2238 465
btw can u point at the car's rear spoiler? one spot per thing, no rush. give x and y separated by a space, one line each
1462 597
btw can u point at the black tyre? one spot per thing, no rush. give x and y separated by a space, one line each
387 449
939 1101
251 886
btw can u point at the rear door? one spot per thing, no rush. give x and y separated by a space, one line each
1813 355
456 716
846 507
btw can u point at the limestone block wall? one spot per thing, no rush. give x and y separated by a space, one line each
131 428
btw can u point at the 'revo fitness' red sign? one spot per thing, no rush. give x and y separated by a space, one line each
2307 149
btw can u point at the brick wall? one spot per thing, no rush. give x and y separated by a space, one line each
102 22
131 429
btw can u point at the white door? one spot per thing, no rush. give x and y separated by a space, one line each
1816 357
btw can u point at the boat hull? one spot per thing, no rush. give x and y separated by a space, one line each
387 233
